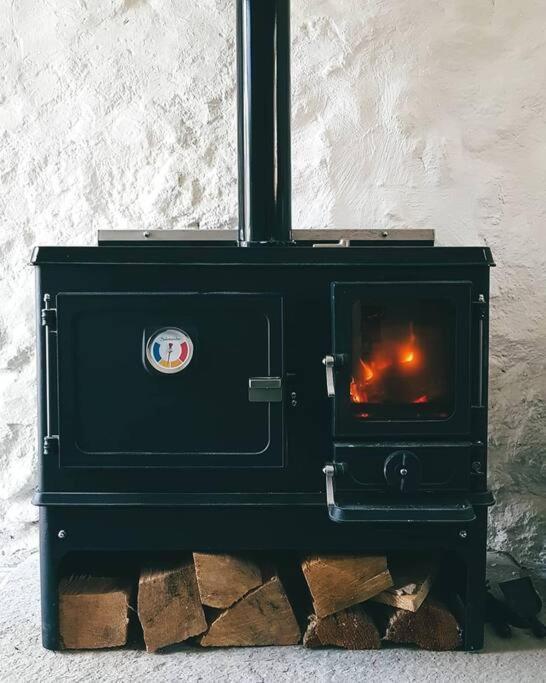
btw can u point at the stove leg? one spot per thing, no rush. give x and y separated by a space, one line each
474 612
49 582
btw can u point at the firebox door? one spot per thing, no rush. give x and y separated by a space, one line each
401 358
169 379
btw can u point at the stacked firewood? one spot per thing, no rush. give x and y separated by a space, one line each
213 600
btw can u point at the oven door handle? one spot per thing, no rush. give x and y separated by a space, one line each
332 363
388 511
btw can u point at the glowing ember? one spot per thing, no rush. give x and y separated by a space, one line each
357 393
421 399
408 357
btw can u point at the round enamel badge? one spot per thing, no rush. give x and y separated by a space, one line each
169 350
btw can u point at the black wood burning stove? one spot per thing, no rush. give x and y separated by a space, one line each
274 389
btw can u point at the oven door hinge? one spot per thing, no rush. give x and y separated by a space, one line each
49 315
51 445
478 474
481 308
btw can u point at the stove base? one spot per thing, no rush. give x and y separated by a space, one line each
65 530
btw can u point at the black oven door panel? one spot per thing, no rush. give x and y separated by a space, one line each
401 359
162 380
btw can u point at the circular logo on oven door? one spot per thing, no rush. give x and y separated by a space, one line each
169 350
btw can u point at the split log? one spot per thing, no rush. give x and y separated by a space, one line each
224 579
351 629
432 627
412 580
93 612
169 607
340 581
262 617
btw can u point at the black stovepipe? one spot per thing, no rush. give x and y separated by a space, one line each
263 104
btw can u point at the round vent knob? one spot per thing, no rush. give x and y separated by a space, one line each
402 471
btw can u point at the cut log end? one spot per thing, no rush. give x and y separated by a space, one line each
432 627
169 607
412 580
224 579
337 582
262 617
351 629
93 612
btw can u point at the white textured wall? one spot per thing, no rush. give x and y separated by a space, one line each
429 113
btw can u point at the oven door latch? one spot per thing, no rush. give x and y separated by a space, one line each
265 389
330 470
332 363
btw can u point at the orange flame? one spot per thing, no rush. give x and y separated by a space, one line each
367 371
357 393
408 356
391 356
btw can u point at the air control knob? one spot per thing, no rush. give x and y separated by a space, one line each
402 471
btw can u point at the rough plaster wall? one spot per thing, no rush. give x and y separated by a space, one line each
120 114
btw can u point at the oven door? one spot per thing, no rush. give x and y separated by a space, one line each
169 379
401 359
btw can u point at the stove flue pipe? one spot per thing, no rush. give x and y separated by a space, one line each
263 104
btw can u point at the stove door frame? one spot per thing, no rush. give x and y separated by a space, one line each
459 294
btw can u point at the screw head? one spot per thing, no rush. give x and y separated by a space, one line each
403 471
463 533
293 395
61 534
384 233
294 404
146 234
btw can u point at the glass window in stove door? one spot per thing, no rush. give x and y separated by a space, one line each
402 360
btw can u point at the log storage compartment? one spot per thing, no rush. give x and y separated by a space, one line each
323 600
227 393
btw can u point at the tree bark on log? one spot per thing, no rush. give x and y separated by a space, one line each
340 581
169 607
432 627
224 579
262 617
93 612
351 629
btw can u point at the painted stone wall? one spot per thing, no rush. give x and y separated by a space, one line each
121 114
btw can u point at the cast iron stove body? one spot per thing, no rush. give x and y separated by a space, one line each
272 389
